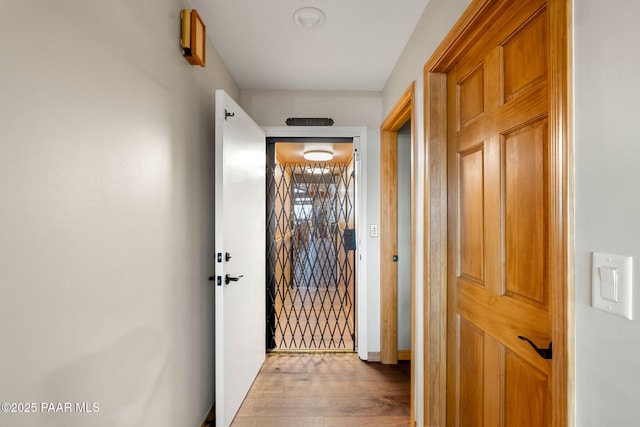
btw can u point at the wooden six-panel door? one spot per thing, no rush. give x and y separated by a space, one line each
498 225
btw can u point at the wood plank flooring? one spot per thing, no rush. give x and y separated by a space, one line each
326 390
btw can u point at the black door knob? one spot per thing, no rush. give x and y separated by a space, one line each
228 279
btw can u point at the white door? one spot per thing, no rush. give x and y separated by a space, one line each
240 277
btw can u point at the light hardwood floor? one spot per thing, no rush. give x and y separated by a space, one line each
326 390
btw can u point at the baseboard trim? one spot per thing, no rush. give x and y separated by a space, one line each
375 355
404 354
210 419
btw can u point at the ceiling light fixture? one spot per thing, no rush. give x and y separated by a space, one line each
318 155
317 170
309 17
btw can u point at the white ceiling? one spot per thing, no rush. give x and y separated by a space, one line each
355 49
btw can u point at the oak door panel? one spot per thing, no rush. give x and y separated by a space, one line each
524 56
526 391
471 178
471 96
470 383
498 227
526 201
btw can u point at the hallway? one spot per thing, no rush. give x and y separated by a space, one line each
326 389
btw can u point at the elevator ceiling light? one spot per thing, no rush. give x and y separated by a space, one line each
317 170
318 155
309 17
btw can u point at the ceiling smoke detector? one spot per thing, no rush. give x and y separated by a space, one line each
309 17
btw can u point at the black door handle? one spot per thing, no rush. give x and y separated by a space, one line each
545 353
228 279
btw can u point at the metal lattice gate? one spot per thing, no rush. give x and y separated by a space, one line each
311 257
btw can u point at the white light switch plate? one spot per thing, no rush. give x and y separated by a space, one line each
612 284
373 230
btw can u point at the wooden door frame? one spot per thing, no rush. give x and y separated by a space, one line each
401 113
466 31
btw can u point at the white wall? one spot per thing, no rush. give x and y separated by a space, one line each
272 108
436 21
106 213
607 147
404 237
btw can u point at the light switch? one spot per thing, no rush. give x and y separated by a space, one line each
373 230
611 282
